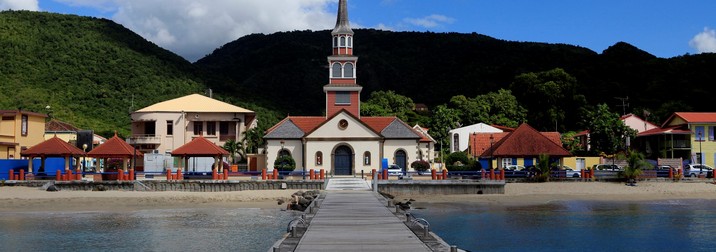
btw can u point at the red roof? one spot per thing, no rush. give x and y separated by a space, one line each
672 130
503 128
308 124
59 126
378 123
53 147
526 141
114 147
692 117
480 142
200 147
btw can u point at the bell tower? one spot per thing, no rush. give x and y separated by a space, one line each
342 91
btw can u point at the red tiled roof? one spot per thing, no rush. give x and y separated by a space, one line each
693 117
480 142
53 147
526 141
200 147
673 130
378 123
55 125
582 133
503 128
114 147
307 123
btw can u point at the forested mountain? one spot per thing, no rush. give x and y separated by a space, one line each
93 72
288 69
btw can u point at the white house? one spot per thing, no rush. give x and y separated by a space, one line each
460 137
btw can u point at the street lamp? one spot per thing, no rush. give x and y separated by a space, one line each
84 158
492 139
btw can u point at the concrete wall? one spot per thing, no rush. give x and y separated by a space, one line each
187 185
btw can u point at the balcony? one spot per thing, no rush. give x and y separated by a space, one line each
225 138
145 139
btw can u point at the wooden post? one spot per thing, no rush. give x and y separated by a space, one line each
275 173
214 174
22 174
169 172
323 174
131 174
11 174
226 174
372 174
671 173
263 174
311 174
29 163
180 176
445 174
492 173
434 174
120 174
58 175
502 174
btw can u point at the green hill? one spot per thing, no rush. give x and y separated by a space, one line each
288 69
91 72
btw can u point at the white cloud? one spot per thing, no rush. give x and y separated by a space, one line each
193 28
431 21
704 41
384 27
31 5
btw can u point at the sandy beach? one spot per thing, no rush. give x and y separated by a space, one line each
543 193
15 199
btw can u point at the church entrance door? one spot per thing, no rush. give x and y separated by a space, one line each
401 160
344 161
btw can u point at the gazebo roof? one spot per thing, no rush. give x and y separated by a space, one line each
53 147
526 141
200 147
114 147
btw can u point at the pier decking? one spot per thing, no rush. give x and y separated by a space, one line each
352 218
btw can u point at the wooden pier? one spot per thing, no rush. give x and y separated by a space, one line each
351 217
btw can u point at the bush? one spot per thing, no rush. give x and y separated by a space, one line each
284 163
420 165
455 157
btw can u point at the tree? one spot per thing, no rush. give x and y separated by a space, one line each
252 139
233 147
635 165
607 133
543 168
550 96
570 142
499 107
284 163
387 103
443 120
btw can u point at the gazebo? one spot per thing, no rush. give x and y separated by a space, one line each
200 147
115 147
53 147
525 142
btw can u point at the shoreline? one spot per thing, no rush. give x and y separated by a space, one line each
32 199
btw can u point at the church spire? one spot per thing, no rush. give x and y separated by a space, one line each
342 24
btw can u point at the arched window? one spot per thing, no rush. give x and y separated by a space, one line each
366 158
337 70
348 70
284 152
456 142
350 41
343 41
335 41
319 158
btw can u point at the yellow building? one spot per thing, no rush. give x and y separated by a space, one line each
20 130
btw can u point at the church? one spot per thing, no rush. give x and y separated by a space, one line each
343 142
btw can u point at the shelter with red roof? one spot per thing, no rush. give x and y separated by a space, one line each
200 147
53 147
343 142
117 148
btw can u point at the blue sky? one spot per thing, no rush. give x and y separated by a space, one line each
193 28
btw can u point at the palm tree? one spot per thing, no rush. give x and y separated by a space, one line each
543 167
232 147
635 165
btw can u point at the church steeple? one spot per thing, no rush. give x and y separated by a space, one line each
342 91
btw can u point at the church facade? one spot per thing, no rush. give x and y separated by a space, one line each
343 142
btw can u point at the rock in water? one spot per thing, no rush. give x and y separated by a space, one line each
52 188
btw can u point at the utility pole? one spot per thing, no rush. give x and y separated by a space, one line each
625 103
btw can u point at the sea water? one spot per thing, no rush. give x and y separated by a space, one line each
670 225
192 229
673 225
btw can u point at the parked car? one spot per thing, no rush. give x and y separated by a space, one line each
665 167
514 167
606 167
694 170
569 172
394 169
